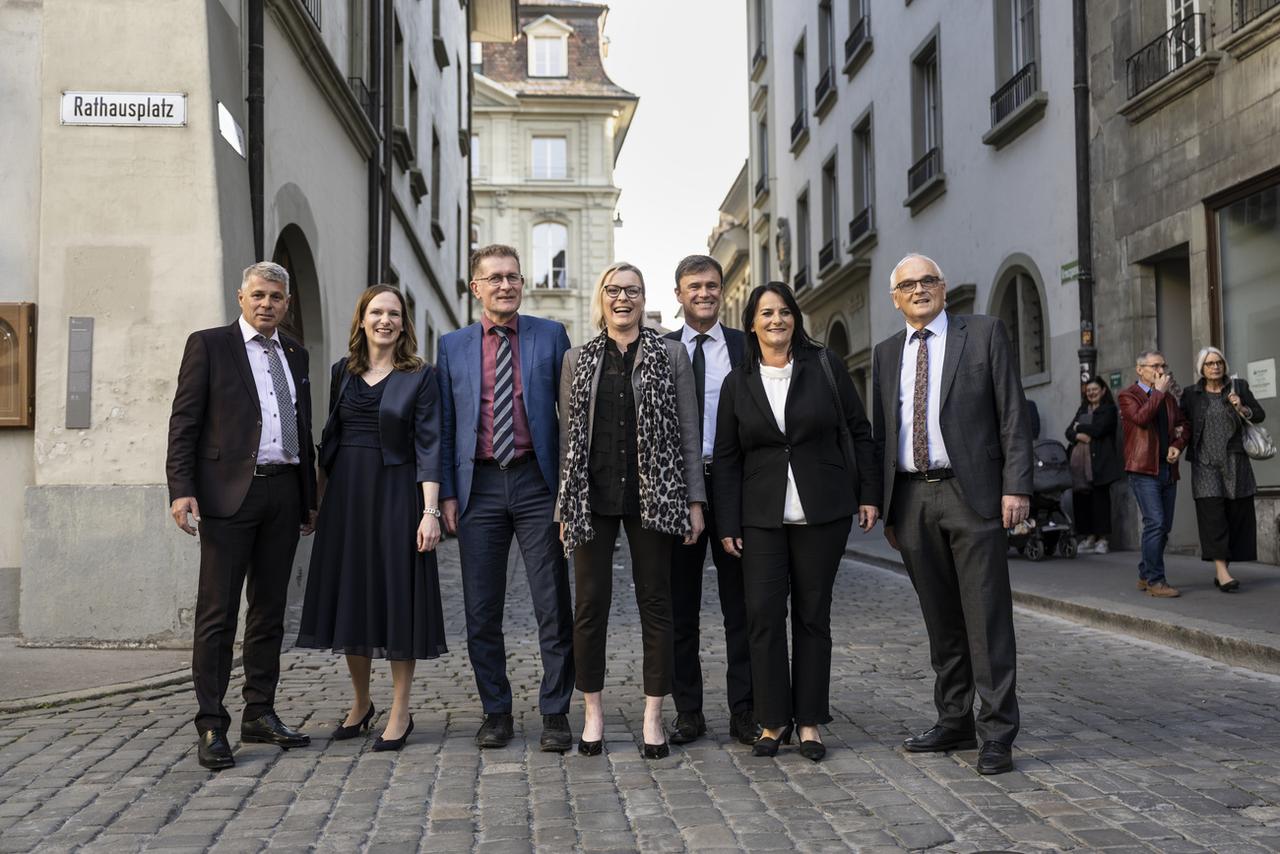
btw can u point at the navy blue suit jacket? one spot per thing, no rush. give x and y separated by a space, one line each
543 344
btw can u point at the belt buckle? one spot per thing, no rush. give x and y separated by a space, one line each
928 479
255 472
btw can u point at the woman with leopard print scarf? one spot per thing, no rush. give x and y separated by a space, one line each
631 457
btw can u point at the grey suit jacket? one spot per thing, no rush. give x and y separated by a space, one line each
983 417
686 410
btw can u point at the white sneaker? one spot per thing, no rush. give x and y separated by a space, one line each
1086 545
1101 548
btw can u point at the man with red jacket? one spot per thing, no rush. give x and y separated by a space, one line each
1155 432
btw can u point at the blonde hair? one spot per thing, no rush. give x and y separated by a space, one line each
1204 353
597 298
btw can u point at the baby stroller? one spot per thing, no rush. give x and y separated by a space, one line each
1048 527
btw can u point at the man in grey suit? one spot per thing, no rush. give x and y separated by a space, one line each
954 447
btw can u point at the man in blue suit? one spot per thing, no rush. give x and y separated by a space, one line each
499 381
714 350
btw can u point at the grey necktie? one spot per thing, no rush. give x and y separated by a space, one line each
504 423
284 400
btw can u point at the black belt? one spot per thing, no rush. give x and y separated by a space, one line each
273 469
930 476
518 461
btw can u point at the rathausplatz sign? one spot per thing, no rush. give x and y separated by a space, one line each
129 109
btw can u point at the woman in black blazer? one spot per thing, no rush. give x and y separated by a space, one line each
1096 424
793 460
373 590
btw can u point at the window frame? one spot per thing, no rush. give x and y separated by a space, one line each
564 160
549 225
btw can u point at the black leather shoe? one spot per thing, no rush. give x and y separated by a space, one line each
556 737
591 748
813 750
344 732
765 746
269 729
938 738
655 751
496 731
743 727
381 744
995 758
687 727
213 750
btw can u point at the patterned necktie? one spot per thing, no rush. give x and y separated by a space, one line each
284 400
700 375
504 432
920 405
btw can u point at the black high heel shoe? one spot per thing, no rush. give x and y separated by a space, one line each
1230 587
395 743
344 732
591 748
766 746
655 751
813 750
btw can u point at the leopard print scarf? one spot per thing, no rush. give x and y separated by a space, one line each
663 497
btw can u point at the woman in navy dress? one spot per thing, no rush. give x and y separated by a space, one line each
373 590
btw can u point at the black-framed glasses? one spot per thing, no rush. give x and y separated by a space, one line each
1215 363
906 286
497 279
615 291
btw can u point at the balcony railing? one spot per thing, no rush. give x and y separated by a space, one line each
759 56
1166 53
800 125
313 9
924 169
858 35
801 278
365 97
823 89
860 225
762 184
827 254
1244 11
1014 93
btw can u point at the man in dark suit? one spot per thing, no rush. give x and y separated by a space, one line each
241 463
955 455
714 350
499 381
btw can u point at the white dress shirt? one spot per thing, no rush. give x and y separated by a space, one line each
269 447
716 351
937 344
777 382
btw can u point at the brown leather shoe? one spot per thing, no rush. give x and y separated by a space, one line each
1142 584
1161 590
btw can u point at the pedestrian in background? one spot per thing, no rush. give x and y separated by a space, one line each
631 457
794 462
1155 432
1222 483
374 590
1092 435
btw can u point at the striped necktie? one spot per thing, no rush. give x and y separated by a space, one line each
284 400
504 423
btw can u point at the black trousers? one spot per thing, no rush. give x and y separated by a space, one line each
256 545
1228 529
1093 511
958 563
593 577
799 560
686 607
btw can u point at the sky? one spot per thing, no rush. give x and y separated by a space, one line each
687 60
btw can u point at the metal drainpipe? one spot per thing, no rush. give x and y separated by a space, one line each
255 101
1088 351
374 270
389 94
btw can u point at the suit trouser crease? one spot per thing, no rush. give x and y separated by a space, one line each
958 563
501 505
251 550
593 577
798 562
686 604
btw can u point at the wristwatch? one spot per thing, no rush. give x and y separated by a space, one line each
431 511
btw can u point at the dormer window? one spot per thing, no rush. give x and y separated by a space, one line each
548 47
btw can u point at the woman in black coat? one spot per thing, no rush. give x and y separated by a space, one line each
1096 424
1221 476
373 590
793 464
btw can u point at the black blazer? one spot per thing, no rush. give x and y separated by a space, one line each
749 472
408 420
1194 403
734 339
1103 429
216 422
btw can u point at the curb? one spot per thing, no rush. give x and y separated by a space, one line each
50 701
1234 651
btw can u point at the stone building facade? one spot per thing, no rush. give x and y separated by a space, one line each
143 232
730 244
1185 160
547 128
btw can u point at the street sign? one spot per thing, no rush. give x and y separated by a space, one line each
125 109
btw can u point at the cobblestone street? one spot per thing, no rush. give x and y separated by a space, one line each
1124 747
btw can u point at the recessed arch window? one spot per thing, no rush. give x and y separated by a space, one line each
1018 303
550 255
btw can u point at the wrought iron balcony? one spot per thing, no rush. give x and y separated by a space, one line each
800 125
801 278
924 169
827 254
824 89
1244 11
860 225
313 9
858 36
1014 93
365 97
1166 53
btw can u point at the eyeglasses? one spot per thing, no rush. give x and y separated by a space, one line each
497 279
1160 365
1214 363
906 286
615 291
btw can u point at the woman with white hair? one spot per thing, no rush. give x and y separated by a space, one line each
1221 478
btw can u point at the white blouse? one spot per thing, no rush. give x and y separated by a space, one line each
777 381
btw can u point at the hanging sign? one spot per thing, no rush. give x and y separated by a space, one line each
125 109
